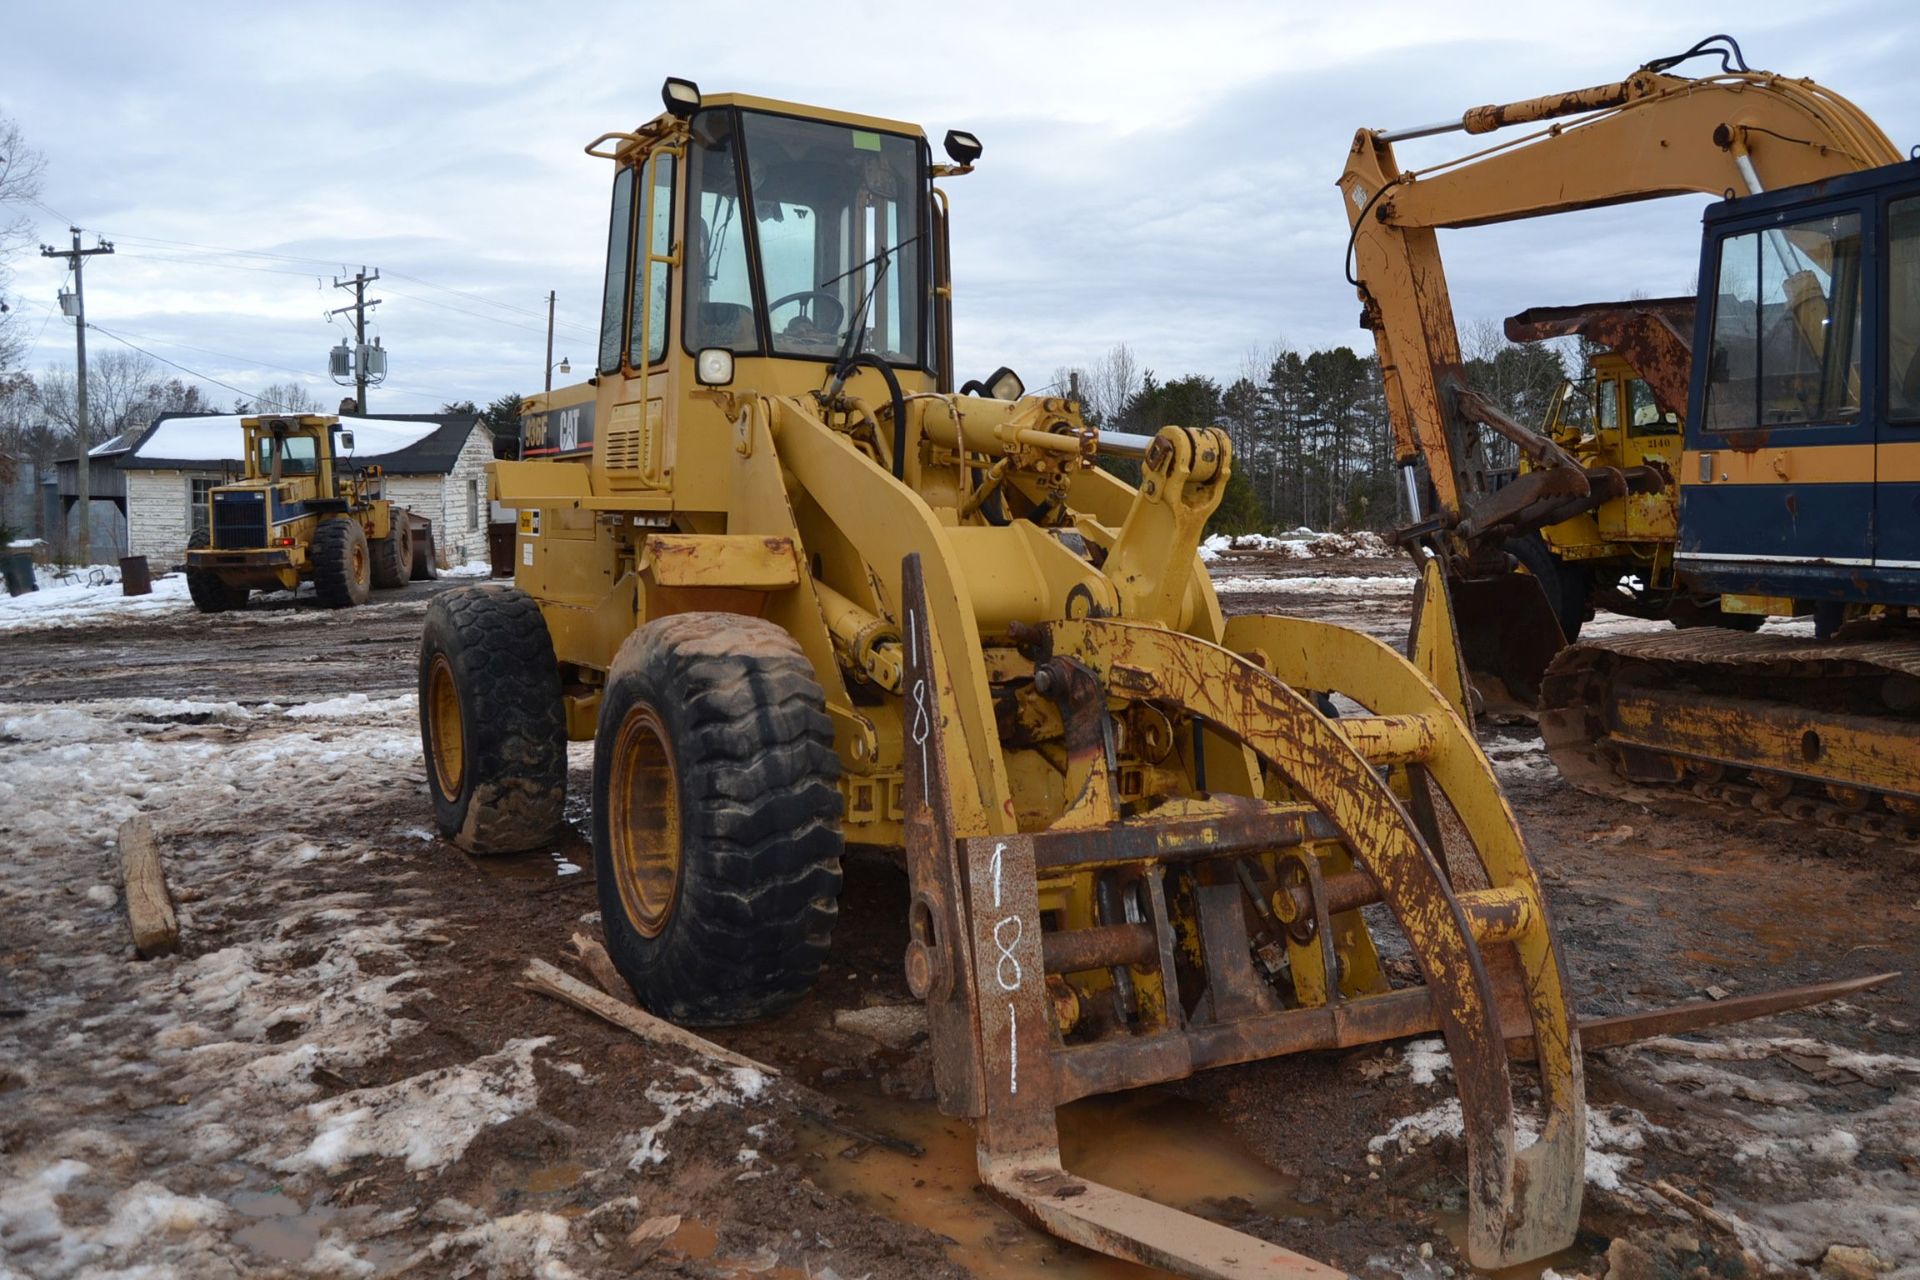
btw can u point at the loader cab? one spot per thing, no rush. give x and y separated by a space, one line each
775 238
296 449
1800 482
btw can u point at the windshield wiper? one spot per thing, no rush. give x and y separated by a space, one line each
853 338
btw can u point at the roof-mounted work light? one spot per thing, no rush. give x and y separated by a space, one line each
681 96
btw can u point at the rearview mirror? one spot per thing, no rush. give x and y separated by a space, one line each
346 441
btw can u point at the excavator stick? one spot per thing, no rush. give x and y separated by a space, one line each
1321 834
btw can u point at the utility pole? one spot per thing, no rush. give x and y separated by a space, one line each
76 259
549 339
360 306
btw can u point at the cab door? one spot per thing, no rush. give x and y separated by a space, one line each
1897 448
1780 468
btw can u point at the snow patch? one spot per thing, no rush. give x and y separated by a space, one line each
522 1244
1300 544
1612 1134
704 1092
76 604
1386 586
429 1119
355 706
1425 1060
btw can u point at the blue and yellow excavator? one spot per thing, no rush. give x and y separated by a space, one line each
1793 490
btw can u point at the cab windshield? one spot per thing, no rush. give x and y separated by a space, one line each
298 455
783 261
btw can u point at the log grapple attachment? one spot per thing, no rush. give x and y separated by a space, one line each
1229 924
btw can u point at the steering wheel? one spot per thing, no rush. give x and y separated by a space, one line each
828 313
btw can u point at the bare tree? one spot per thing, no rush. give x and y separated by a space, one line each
1111 385
287 397
124 391
20 171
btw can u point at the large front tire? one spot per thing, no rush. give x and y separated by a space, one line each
716 818
342 564
211 593
492 724
393 555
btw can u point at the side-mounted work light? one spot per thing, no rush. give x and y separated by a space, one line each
963 148
681 96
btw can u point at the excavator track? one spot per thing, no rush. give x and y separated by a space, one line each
1825 732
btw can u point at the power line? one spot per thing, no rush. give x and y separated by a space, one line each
475 315
150 256
529 312
174 364
461 293
224 355
227 249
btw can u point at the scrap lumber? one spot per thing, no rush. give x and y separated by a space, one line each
150 915
548 980
600 965
816 1106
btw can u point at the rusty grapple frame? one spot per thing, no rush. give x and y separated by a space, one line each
1226 924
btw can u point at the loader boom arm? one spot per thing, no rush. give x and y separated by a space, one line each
1652 135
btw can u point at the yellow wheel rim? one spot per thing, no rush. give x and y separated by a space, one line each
359 561
643 821
443 717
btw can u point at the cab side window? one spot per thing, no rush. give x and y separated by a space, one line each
613 304
1786 326
1903 310
657 271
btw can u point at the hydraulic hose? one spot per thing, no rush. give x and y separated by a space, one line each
867 360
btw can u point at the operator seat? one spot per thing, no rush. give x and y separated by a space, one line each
715 324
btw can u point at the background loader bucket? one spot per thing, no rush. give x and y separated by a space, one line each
1508 634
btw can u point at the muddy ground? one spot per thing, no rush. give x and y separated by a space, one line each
340 1075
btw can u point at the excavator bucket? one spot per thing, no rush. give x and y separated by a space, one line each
1509 635
1228 926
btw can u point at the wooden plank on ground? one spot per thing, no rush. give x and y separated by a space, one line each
548 980
150 916
600 965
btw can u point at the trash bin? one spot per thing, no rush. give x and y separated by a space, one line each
17 566
135 580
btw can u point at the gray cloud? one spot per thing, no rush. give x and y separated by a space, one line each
1158 177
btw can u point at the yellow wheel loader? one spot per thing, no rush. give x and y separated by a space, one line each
801 594
304 512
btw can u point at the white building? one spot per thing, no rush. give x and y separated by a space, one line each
435 464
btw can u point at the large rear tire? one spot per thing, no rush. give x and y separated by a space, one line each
716 818
342 564
211 593
393 554
492 725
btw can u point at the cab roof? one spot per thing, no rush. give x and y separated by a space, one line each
749 102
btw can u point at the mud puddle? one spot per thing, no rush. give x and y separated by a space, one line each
1146 1142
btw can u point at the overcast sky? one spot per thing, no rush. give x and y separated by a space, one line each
1155 174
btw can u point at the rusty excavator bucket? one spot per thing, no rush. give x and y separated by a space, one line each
1509 635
